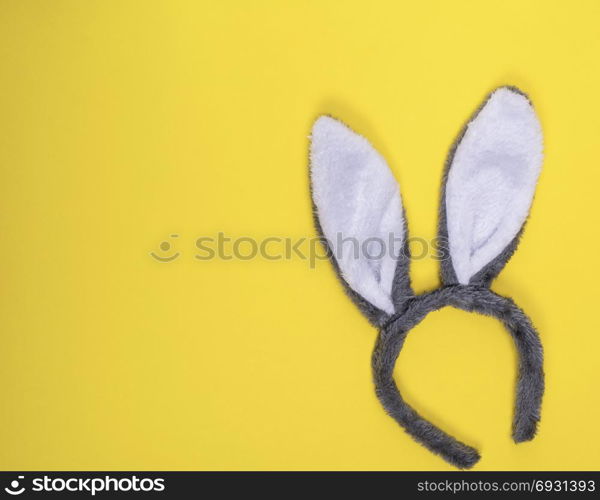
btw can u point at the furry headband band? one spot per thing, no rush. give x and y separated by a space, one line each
487 191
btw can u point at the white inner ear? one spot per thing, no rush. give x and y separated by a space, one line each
359 207
491 181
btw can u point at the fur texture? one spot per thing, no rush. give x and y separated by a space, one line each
358 201
490 182
487 190
530 383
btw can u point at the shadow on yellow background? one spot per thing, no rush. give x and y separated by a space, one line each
124 123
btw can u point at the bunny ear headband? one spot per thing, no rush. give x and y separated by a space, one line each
487 190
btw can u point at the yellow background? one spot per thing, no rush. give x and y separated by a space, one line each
124 122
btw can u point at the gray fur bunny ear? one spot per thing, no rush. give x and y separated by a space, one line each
490 182
358 210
